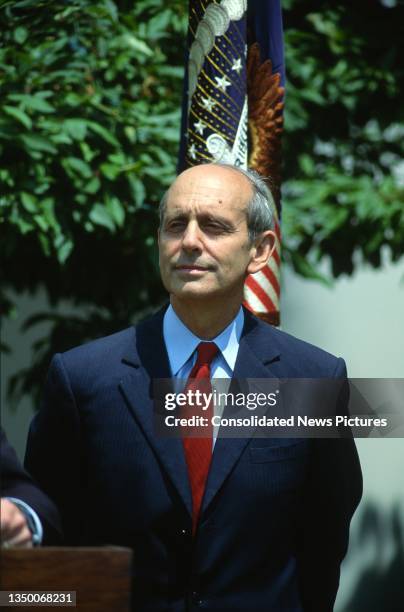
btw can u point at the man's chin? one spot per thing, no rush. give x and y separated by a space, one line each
193 290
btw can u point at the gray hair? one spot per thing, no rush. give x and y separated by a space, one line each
260 208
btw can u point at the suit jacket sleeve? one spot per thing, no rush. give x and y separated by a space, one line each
331 495
17 483
53 449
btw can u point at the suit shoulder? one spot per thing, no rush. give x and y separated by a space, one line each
307 359
97 361
107 346
106 359
295 356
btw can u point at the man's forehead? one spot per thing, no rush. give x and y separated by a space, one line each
201 198
196 195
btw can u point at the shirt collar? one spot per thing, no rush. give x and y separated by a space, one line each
181 342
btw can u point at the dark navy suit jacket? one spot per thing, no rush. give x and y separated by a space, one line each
276 512
15 482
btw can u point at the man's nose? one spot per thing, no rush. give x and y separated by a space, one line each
191 240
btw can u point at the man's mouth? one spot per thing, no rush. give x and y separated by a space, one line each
190 267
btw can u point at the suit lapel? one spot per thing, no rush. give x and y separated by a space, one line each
149 361
256 352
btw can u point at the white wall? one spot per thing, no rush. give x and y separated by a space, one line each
16 419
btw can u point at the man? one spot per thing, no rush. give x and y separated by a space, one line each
260 525
28 516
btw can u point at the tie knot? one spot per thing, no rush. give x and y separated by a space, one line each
206 353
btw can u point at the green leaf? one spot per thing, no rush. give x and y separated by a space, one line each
177 72
41 222
19 115
48 210
117 211
307 165
33 102
117 158
76 128
138 190
29 202
160 22
104 133
111 171
78 166
308 270
130 133
87 152
24 226
64 250
72 99
20 35
93 186
45 244
137 45
38 143
61 138
99 215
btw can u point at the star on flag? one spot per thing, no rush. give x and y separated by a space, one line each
192 151
222 83
199 127
208 103
237 66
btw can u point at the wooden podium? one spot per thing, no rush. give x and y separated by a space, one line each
101 577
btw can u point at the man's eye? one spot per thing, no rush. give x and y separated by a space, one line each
175 226
214 228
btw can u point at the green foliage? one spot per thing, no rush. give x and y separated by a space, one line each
89 128
88 134
344 141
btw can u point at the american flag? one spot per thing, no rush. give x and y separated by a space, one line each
233 107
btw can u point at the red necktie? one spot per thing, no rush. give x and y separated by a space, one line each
198 451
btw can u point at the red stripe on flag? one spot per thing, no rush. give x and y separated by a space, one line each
272 279
277 258
260 293
276 255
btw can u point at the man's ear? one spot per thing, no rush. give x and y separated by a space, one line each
261 251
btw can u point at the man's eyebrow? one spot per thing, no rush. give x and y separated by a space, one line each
177 215
203 216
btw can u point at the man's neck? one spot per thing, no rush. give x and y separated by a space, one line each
204 320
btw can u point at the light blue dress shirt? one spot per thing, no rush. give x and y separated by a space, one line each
181 346
34 523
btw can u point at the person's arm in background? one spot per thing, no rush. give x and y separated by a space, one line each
15 531
28 516
54 451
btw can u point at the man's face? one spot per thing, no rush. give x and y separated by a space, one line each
203 241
